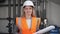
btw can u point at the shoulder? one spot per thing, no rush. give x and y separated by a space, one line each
18 17
18 21
38 18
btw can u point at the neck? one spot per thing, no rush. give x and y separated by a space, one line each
28 16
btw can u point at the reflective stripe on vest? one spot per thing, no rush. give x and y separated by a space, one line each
18 22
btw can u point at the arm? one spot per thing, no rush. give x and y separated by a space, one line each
18 22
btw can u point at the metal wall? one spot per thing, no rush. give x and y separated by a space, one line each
53 13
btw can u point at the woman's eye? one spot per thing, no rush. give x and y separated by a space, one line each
29 8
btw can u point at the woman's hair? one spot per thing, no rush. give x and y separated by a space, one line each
23 13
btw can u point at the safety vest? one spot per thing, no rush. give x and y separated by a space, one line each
24 26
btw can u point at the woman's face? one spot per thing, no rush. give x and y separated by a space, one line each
28 10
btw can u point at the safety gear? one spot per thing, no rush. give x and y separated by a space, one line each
24 26
28 3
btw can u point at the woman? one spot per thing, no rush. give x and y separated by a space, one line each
28 23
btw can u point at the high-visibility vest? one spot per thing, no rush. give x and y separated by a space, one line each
24 26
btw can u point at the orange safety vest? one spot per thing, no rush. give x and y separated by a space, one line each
24 26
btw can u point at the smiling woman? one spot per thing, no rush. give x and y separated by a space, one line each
28 7
28 11
28 23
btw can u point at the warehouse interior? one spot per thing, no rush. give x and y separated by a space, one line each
46 9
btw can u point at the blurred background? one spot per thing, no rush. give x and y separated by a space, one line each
46 9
